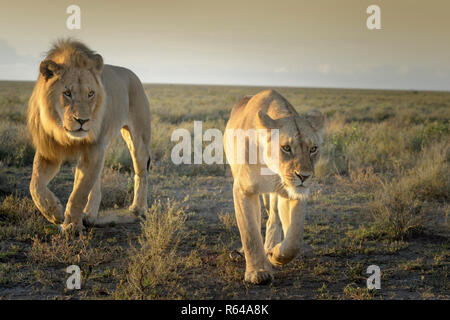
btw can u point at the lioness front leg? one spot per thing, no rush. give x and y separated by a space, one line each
292 216
274 231
258 269
43 172
87 173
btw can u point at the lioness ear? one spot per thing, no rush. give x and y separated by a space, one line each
98 63
266 121
316 119
49 68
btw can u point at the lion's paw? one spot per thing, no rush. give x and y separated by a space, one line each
76 229
89 219
55 214
138 211
259 276
55 219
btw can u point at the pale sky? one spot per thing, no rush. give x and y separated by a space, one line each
320 43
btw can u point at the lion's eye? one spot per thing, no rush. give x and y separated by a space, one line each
91 94
313 149
286 148
67 93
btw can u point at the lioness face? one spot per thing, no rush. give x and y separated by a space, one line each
76 94
299 149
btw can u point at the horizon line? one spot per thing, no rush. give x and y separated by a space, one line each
270 86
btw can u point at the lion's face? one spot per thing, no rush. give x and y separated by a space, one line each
299 143
75 94
78 96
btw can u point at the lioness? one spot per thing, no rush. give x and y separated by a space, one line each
77 107
291 169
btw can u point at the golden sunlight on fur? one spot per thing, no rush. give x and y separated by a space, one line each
284 191
78 106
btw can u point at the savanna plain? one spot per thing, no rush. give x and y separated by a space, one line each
380 197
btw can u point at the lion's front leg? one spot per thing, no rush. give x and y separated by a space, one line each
247 207
93 204
43 172
87 173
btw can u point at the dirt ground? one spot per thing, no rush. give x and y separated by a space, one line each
412 269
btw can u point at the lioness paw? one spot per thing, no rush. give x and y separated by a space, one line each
259 276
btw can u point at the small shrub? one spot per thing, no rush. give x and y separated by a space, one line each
427 133
396 212
430 178
20 219
154 265
15 147
67 250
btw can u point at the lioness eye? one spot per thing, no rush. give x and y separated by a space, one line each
313 149
286 148
91 94
67 93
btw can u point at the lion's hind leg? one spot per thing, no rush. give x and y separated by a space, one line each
139 145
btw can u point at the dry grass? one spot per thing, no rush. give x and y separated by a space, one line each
396 212
117 188
384 170
154 265
67 250
19 219
398 205
430 178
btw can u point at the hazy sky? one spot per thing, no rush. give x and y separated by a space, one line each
320 43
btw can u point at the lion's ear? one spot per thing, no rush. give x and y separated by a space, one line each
49 68
317 120
98 63
266 121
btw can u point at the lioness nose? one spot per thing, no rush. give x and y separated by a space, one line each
81 121
302 177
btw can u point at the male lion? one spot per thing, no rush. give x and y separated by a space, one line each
78 106
285 173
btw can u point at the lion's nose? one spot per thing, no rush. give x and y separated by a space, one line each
80 121
301 176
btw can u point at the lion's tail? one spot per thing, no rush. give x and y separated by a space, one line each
108 217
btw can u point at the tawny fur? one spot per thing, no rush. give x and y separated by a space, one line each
74 85
284 232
